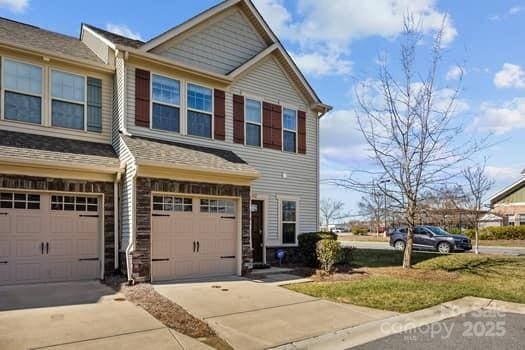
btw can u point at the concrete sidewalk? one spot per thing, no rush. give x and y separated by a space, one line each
80 315
377 333
252 314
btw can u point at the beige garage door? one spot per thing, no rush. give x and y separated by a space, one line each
193 237
48 237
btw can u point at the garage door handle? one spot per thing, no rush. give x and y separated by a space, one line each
47 247
163 259
42 248
160 214
88 216
198 246
3 262
228 257
88 259
3 213
227 217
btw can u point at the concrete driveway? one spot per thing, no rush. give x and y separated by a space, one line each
81 315
252 314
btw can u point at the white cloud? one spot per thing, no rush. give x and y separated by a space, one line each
318 64
341 142
455 73
336 23
510 75
503 174
501 119
15 5
122 29
513 11
516 9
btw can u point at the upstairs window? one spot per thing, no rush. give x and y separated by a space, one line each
290 130
199 111
253 122
68 100
288 221
22 85
166 103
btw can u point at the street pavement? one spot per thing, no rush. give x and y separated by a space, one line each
482 249
484 329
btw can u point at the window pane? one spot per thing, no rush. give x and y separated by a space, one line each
68 86
22 77
288 211
166 90
289 141
253 111
289 120
199 124
67 115
288 233
165 117
22 107
199 98
253 134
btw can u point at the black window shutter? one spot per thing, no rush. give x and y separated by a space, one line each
94 104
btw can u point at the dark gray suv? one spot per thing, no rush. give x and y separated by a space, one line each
430 238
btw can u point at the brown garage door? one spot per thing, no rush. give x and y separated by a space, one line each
193 237
48 237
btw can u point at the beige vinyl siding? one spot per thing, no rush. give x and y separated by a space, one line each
127 195
96 45
46 128
220 46
269 83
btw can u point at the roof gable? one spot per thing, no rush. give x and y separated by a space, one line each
220 44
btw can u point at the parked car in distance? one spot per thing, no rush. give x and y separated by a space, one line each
428 237
337 230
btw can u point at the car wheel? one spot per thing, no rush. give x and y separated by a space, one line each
443 248
399 245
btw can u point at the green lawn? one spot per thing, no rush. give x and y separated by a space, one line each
434 279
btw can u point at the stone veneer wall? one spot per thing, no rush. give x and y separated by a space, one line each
141 257
81 186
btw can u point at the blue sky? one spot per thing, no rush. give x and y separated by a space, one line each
337 42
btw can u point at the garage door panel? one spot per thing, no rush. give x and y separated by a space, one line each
87 225
5 224
183 247
60 247
183 268
86 269
5 248
4 273
62 224
28 224
87 247
181 224
60 270
26 248
30 272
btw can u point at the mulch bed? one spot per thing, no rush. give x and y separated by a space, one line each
167 312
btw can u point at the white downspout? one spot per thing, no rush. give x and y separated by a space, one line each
131 242
116 217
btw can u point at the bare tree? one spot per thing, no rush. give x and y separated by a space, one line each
478 185
409 126
331 210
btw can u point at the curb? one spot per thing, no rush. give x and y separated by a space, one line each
365 333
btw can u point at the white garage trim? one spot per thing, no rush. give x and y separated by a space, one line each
67 193
238 202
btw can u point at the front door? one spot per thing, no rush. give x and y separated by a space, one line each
257 231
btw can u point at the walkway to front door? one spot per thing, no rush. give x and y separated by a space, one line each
252 314
257 230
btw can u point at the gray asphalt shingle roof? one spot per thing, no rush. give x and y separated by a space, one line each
55 149
37 38
116 38
180 154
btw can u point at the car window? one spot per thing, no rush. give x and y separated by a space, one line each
420 231
437 231
403 230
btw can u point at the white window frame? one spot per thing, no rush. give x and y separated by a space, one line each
51 98
212 113
280 200
246 122
3 90
179 106
289 130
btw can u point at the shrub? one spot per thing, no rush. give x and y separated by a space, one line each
307 246
503 232
345 256
359 230
328 253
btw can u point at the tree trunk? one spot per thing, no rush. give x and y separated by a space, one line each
411 217
476 249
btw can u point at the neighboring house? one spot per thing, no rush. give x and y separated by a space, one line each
490 220
200 147
509 203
